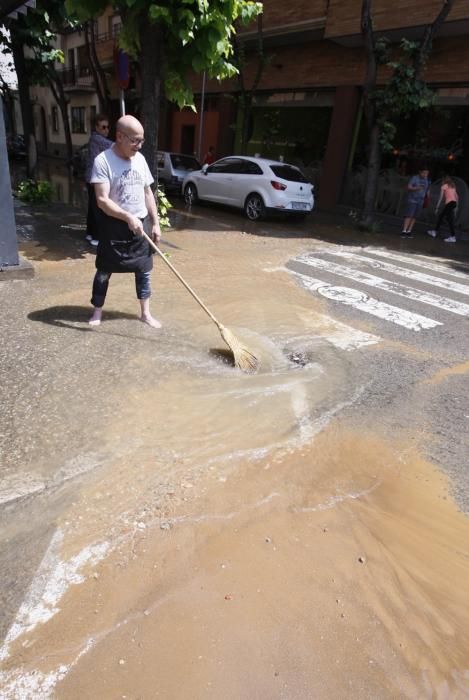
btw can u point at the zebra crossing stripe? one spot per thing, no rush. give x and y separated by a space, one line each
362 302
404 272
455 307
421 261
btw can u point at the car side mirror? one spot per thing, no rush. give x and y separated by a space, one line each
204 168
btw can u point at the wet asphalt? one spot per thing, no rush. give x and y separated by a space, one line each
401 394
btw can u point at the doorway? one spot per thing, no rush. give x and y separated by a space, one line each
188 139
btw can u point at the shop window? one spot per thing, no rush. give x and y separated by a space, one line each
78 120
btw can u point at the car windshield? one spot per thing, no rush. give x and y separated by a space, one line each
287 172
182 162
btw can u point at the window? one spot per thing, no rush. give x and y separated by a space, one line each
287 172
183 162
55 119
226 165
251 168
115 23
78 120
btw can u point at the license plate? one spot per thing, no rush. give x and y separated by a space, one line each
299 205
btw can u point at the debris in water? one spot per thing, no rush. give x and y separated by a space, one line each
362 560
298 358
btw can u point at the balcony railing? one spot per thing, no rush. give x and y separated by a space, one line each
78 77
113 34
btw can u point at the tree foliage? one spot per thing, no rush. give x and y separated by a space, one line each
36 56
404 93
196 35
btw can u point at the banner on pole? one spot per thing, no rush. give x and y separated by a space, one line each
122 68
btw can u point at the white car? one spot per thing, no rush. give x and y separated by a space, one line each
256 185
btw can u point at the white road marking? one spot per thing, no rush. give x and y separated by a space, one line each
421 261
455 307
53 578
338 334
403 271
362 302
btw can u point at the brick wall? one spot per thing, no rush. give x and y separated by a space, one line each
343 17
325 64
279 13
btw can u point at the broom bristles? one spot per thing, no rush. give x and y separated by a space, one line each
243 358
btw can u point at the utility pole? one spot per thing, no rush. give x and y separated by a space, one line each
9 259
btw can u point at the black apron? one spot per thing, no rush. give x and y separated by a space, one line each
121 250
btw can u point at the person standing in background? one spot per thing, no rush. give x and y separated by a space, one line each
416 190
449 194
98 142
210 157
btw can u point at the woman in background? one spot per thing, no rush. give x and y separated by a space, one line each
449 194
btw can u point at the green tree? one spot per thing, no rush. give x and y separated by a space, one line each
404 93
170 39
32 43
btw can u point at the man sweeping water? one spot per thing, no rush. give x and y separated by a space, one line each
122 180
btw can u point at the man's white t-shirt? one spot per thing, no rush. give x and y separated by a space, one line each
127 179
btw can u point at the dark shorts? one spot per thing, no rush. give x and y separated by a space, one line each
413 209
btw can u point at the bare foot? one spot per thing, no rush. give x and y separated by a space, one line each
150 321
95 319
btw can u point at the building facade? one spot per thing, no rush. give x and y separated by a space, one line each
306 107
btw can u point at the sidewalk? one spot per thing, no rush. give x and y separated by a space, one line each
343 231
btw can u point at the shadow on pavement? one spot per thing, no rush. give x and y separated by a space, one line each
68 316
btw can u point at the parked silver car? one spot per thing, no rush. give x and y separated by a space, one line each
256 185
173 168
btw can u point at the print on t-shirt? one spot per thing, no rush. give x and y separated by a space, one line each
129 189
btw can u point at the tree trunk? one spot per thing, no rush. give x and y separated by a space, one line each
246 115
25 102
56 86
372 175
369 108
247 95
152 73
9 104
99 75
427 41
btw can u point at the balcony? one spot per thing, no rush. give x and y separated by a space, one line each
105 43
78 79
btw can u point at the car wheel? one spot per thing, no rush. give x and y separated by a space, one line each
190 194
254 207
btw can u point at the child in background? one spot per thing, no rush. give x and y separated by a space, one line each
417 189
449 194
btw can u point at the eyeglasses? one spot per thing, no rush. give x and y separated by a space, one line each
134 140
103 126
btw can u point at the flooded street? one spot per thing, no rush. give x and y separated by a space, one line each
173 528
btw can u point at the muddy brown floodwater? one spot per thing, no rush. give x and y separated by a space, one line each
236 536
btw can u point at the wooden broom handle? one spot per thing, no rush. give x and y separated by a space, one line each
181 279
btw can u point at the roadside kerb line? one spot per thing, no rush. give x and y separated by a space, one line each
455 307
362 302
403 272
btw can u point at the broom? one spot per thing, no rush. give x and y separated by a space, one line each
243 358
